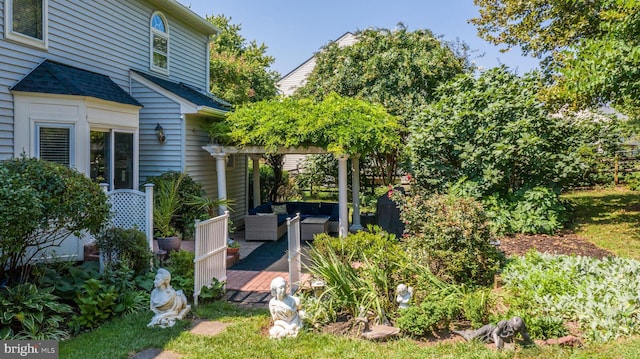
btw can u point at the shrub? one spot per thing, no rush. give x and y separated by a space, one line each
42 204
187 211
129 246
359 245
180 265
433 313
535 210
32 313
476 306
114 294
450 235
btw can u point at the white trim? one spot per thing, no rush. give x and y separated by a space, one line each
22 38
164 35
186 107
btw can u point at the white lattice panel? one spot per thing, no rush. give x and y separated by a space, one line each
128 209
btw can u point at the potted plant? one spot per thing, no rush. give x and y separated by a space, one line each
233 247
166 204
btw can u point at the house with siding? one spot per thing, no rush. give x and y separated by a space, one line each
115 89
289 83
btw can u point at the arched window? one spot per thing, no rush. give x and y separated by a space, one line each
159 43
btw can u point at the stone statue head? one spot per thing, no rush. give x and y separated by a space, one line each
516 323
401 289
162 277
278 287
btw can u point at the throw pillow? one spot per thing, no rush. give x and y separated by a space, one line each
279 209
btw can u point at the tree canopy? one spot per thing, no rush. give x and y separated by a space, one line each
592 46
239 71
341 125
494 132
398 69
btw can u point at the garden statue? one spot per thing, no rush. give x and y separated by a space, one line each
168 304
403 296
499 334
285 311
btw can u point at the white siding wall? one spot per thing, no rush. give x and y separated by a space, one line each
107 37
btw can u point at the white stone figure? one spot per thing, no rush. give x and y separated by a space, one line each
168 304
403 296
285 311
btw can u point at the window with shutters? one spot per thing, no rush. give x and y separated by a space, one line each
55 143
26 22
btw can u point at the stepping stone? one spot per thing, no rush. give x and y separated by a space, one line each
156 354
209 328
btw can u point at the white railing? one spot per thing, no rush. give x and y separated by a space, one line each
294 257
210 253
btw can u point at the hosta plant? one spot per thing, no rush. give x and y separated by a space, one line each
29 312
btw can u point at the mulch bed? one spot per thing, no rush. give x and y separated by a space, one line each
563 243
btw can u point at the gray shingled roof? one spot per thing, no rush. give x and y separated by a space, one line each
56 78
196 96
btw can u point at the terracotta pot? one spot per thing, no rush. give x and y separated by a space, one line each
169 243
232 251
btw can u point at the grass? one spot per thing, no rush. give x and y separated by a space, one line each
609 218
245 338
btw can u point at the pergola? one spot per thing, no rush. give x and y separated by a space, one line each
220 154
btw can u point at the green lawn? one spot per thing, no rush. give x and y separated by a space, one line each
609 218
123 337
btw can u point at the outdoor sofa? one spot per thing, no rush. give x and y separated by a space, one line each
268 222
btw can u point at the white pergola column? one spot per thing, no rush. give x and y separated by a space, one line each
355 193
255 160
221 172
342 196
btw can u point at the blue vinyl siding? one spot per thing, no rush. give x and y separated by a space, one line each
156 158
108 37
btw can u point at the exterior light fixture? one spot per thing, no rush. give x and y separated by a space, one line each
160 134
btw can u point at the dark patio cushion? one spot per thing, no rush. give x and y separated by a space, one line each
263 208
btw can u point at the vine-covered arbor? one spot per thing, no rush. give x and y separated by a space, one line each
344 127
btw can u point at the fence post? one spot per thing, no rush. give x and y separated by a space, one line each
148 190
615 170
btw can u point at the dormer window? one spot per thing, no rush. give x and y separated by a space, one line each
26 22
159 43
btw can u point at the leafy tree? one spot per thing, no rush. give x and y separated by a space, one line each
398 69
492 131
592 47
239 71
42 204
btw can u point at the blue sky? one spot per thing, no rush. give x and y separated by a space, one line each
294 30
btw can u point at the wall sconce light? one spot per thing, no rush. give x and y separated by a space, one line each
160 133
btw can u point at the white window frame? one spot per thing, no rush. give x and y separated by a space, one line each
112 138
153 32
72 139
22 38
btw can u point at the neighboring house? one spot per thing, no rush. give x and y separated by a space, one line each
116 89
289 83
